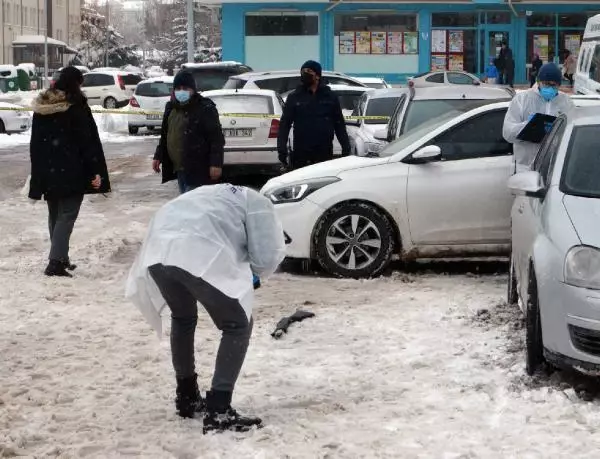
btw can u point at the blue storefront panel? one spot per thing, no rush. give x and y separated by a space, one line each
295 38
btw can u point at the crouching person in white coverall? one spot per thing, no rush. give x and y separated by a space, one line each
544 98
204 247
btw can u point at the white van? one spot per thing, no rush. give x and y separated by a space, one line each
587 77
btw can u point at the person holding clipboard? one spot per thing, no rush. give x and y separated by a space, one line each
531 114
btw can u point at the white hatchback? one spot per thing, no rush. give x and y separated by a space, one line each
150 95
109 89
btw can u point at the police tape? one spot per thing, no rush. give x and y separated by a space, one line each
222 115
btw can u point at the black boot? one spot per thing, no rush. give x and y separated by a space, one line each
57 268
70 266
188 401
220 416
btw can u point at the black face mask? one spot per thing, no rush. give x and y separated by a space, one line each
307 79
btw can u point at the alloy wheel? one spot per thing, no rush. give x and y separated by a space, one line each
353 242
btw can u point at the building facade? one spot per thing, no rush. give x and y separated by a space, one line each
398 39
27 18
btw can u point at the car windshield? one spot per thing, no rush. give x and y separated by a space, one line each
243 103
381 107
406 140
234 83
156 89
420 111
131 79
582 167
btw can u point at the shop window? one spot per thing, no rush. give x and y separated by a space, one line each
498 17
541 20
454 50
453 20
284 24
542 43
375 22
577 20
569 40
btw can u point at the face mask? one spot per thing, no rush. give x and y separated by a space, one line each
182 96
548 93
307 79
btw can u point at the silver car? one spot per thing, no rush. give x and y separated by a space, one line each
555 262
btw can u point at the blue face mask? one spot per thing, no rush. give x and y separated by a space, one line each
548 93
182 96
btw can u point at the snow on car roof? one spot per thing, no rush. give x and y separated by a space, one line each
160 79
246 92
345 87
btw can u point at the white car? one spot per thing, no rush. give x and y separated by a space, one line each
436 78
12 122
150 95
250 141
555 263
378 103
109 89
440 190
375 83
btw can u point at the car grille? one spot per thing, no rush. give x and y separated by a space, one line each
585 340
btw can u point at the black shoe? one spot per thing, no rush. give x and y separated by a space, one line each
57 268
70 266
220 416
188 401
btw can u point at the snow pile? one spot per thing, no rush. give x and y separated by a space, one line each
417 365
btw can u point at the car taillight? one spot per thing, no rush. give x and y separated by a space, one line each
274 130
121 84
134 103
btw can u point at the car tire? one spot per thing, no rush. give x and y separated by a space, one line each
344 254
133 130
110 103
512 296
534 344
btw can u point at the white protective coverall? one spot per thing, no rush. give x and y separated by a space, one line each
220 233
524 104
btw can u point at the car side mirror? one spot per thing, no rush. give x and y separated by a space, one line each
352 122
476 82
425 155
381 134
528 184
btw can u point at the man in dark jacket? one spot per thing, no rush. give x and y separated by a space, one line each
506 57
315 112
191 142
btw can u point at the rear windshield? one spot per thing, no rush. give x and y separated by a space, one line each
349 100
242 103
381 107
208 79
420 111
156 89
234 83
582 168
131 79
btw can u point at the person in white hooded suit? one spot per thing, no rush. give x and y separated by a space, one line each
545 98
206 246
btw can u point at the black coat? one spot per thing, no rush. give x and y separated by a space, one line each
203 141
66 152
315 117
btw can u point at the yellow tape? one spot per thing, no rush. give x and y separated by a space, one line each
228 115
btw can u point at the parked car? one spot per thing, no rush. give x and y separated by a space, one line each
56 75
12 122
106 69
109 89
250 142
375 83
587 75
284 81
444 77
423 104
213 75
555 262
381 103
150 95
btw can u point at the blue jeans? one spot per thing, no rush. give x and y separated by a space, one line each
183 187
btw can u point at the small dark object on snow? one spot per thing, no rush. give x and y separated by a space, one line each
283 324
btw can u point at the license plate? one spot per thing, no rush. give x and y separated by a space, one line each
237 132
153 117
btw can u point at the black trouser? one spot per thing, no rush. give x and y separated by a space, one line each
509 77
62 214
569 77
181 292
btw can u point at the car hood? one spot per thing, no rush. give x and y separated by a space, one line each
585 215
372 128
326 169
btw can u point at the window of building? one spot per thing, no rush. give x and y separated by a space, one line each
375 23
33 14
17 11
453 20
541 20
550 35
281 24
498 17
25 16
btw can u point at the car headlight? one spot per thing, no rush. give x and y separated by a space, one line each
298 191
582 267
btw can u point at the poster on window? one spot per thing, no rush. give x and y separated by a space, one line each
455 42
540 46
411 42
438 41
394 43
572 43
456 62
346 43
363 42
438 62
378 43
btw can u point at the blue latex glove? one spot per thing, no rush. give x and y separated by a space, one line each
548 127
255 281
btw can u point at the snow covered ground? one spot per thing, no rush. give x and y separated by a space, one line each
422 364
